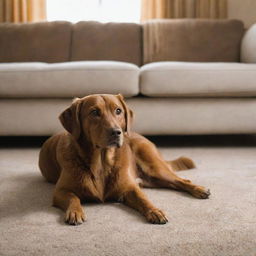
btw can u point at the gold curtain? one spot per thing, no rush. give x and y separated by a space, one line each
17 11
167 9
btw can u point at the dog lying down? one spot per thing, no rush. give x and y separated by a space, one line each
99 158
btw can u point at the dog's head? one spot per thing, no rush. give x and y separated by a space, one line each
101 119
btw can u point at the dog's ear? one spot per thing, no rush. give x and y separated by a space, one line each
70 120
128 113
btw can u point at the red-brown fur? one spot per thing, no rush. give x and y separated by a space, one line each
99 158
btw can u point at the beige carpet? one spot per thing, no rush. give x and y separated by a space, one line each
224 225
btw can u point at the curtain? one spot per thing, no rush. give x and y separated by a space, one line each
17 11
166 9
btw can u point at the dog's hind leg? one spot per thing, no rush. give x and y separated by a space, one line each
157 172
181 163
48 164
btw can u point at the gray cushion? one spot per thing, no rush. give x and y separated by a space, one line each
192 40
68 79
93 40
40 41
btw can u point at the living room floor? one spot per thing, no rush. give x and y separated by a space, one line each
225 224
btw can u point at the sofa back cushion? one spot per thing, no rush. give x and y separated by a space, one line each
43 41
93 40
192 40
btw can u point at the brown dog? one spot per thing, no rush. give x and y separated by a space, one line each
99 158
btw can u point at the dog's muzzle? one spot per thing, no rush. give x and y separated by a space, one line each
115 138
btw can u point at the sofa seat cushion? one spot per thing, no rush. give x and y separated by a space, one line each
67 79
167 79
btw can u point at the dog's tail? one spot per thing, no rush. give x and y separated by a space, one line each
181 163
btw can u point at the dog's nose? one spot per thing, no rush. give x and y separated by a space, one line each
115 132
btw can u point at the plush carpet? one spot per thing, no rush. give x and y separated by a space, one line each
225 224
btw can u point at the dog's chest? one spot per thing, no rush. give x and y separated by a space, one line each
99 183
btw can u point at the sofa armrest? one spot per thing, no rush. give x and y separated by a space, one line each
248 46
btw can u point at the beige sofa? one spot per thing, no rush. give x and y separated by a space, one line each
179 76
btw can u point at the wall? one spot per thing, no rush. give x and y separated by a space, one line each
244 10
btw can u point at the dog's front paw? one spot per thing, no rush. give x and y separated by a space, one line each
201 192
75 216
156 216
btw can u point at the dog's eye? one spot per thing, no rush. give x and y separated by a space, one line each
118 111
95 112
